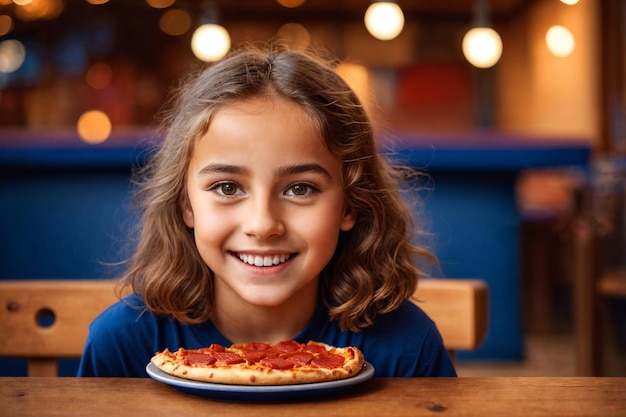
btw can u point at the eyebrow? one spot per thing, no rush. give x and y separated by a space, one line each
218 168
301 169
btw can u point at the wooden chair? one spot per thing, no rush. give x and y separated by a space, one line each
597 242
459 307
46 320
593 285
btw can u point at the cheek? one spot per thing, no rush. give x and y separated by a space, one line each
210 232
321 232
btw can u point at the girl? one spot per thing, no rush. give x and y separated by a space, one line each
268 215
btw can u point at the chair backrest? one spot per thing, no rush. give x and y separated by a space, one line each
459 308
45 320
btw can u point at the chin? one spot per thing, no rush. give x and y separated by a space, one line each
267 301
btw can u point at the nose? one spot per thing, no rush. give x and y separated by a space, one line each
263 219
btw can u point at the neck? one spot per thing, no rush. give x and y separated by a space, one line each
243 322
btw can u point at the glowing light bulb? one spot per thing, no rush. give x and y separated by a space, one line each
560 41
94 126
482 47
384 20
210 42
12 55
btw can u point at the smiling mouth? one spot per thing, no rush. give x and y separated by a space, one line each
258 260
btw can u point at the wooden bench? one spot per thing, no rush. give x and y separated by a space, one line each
45 320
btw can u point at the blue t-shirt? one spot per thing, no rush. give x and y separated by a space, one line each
121 341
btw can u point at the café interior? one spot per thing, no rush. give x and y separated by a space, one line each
521 129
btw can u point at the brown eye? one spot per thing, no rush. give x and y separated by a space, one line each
228 189
299 189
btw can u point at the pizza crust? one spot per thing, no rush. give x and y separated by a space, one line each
246 373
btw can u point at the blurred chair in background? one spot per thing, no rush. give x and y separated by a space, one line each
599 265
459 308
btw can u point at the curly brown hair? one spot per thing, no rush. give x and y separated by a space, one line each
374 267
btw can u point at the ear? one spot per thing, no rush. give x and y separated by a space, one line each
187 212
348 220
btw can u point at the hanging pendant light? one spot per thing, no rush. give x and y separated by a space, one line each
482 45
560 41
210 41
384 20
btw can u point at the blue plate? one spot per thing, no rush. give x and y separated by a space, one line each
260 392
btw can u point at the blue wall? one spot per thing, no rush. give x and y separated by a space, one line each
476 228
66 223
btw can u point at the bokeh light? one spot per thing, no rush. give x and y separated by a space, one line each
569 2
560 41
39 10
94 126
358 78
482 47
6 24
294 35
160 4
210 42
175 22
99 75
384 20
97 2
291 3
71 55
12 55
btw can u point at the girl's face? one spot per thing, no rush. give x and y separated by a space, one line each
266 202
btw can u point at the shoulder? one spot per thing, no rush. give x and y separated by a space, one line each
128 312
407 321
124 337
119 340
402 343
406 342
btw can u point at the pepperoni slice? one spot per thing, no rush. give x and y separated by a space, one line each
298 358
229 358
310 347
199 359
256 346
328 360
287 346
254 356
213 348
277 363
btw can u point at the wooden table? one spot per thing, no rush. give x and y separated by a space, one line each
485 397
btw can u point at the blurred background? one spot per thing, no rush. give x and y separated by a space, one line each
515 109
121 57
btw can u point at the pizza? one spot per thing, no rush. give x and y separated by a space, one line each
282 363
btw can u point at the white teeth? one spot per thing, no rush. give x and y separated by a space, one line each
257 260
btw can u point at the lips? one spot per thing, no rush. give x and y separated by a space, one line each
263 260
